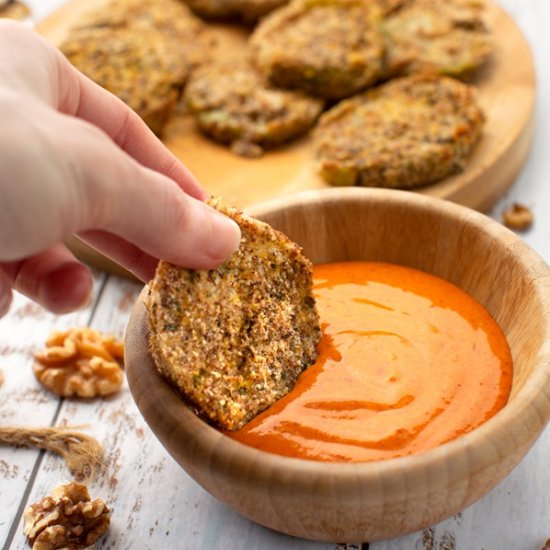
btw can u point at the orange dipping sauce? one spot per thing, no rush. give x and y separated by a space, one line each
407 362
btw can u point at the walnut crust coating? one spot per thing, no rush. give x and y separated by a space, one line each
232 103
327 48
143 52
247 11
447 37
67 519
170 16
389 6
409 132
235 339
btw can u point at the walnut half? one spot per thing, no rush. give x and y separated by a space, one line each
82 362
517 216
67 519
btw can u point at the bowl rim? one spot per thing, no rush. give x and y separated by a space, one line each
531 402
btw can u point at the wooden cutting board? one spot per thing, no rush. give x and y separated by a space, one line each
506 94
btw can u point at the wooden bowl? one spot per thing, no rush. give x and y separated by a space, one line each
376 500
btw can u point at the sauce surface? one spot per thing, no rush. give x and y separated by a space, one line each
407 361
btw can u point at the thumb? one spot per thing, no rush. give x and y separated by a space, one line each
152 212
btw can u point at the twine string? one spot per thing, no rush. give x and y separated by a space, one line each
82 453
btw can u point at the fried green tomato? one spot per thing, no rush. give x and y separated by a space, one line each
443 37
409 132
235 339
232 104
389 6
247 11
328 48
142 52
168 16
12 9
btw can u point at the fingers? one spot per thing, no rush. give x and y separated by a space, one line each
103 171
66 288
169 224
173 227
26 61
41 71
82 98
53 278
144 207
129 256
5 292
75 180
190 253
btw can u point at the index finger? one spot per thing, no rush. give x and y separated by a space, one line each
83 98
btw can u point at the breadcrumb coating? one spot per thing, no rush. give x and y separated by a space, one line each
406 133
448 37
143 52
234 105
13 9
247 11
328 48
235 339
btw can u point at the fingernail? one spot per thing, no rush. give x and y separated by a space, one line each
226 237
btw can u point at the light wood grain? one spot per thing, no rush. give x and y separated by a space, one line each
382 499
513 516
23 401
506 93
155 504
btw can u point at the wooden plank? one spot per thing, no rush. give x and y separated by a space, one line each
155 504
23 400
82 412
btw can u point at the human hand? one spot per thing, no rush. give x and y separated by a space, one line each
75 160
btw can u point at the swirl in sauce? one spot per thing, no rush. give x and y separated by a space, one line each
407 362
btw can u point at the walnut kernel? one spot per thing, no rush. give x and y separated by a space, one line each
80 362
67 519
517 216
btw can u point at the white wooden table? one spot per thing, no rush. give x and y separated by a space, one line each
155 504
